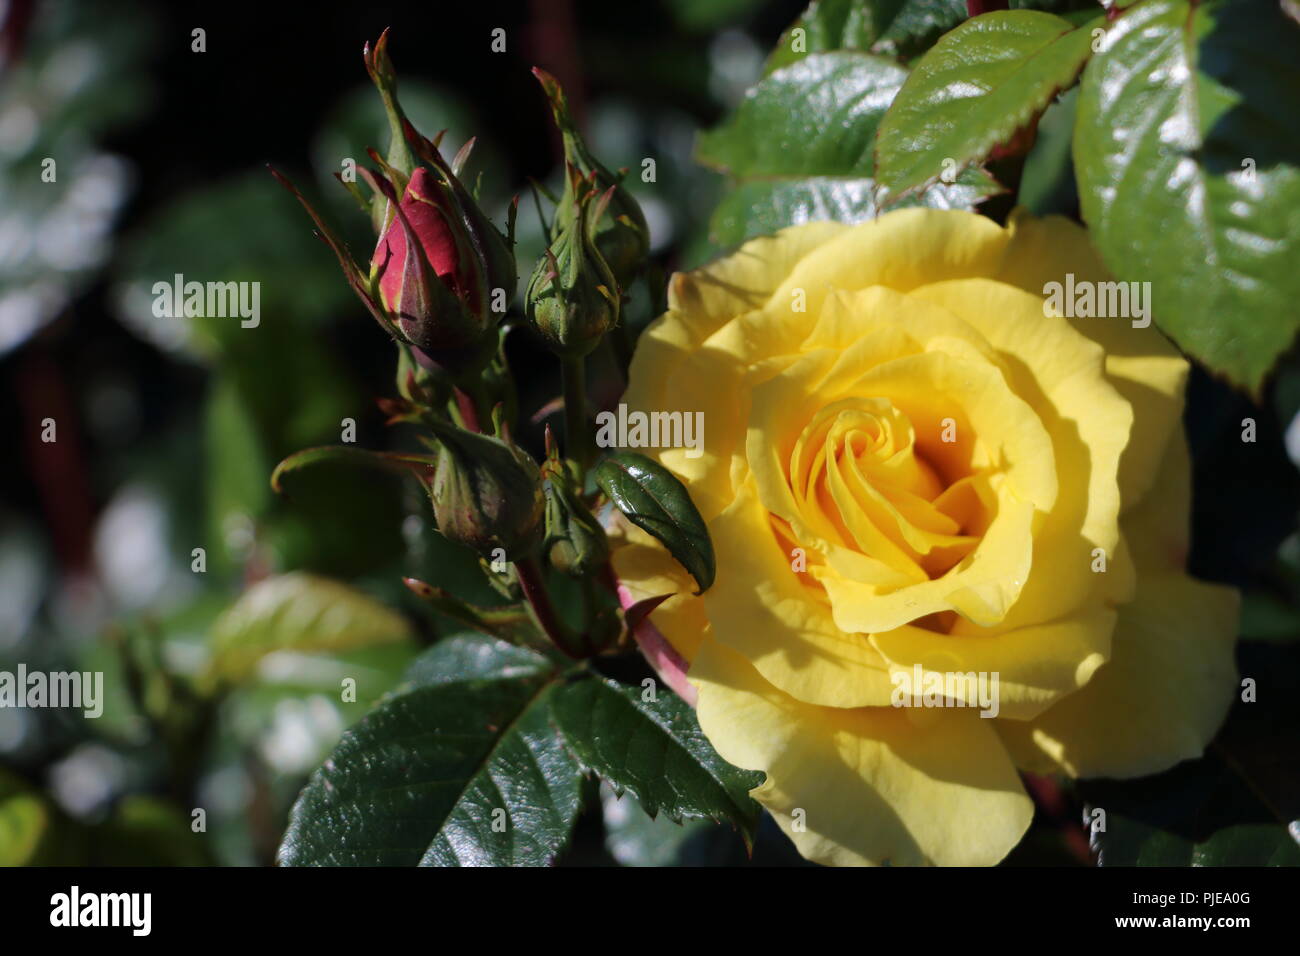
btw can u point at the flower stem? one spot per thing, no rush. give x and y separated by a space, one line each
543 611
577 440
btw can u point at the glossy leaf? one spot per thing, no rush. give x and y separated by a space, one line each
914 25
973 91
656 502
462 767
470 656
764 206
298 612
800 148
817 117
655 750
900 28
829 25
1188 161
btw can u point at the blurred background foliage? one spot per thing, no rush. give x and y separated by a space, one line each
223 686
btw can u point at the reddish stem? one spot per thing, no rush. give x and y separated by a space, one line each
539 599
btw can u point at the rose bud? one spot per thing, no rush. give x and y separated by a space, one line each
572 297
493 248
621 233
406 144
428 278
575 543
441 275
486 494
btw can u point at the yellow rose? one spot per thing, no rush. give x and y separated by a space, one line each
911 470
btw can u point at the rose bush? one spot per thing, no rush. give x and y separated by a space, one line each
911 467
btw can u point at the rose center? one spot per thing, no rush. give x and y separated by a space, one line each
862 481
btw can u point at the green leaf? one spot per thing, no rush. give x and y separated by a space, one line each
1131 842
654 749
762 206
461 768
896 28
915 24
800 148
469 656
973 91
832 25
899 28
657 503
298 612
1188 160
817 117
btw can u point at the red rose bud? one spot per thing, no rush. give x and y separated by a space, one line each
621 233
426 274
496 250
441 276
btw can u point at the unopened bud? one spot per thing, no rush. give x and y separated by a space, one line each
486 494
428 279
493 249
620 232
575 544
572 297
